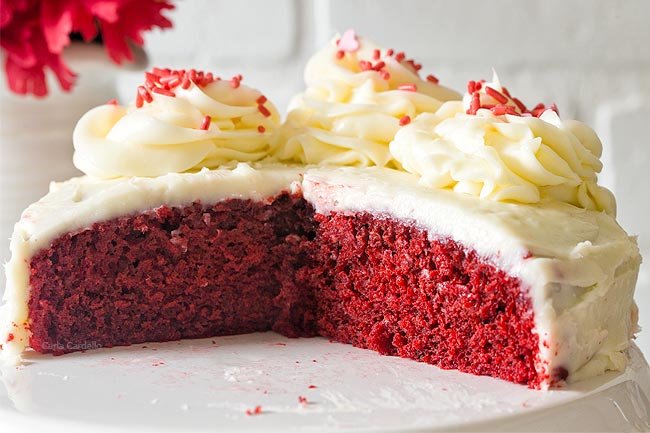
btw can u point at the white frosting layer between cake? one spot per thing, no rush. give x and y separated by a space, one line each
578 266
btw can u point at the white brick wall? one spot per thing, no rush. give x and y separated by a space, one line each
590 57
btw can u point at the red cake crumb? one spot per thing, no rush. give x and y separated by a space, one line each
240 266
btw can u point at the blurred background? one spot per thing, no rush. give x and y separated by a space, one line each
592 58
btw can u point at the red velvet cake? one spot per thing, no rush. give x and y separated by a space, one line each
441 241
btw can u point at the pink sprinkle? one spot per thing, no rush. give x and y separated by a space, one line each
376 54
349 41
408 87
404 120
498 110
205 124
433 79
496 94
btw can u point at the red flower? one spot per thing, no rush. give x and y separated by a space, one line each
34 33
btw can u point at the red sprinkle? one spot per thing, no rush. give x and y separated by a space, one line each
379 66
256 411
471 86
433 79
519 104
10 337
234 82
479 85
302 400
384 74
261 100
365 65
138 100
404 120
340 54
144 94
475 104
112 102
265 111
400 56
163 91
376 54
152 77
311 386
205 124
261 129
408 87
390 52
496 94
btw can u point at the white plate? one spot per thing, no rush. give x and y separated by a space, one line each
209 384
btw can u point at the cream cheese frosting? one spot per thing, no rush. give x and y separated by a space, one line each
166 135
578 266
504 157
355 100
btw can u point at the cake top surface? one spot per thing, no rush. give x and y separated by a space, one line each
363 105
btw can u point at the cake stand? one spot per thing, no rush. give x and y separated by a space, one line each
269 383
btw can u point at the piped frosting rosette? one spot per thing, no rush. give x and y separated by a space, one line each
492 146
357 97
180 121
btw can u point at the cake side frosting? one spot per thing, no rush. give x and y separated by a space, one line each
578 266
76 204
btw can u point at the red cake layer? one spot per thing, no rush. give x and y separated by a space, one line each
241 266
386 286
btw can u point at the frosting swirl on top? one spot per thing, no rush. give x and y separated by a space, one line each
197 122
357 97
505 157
